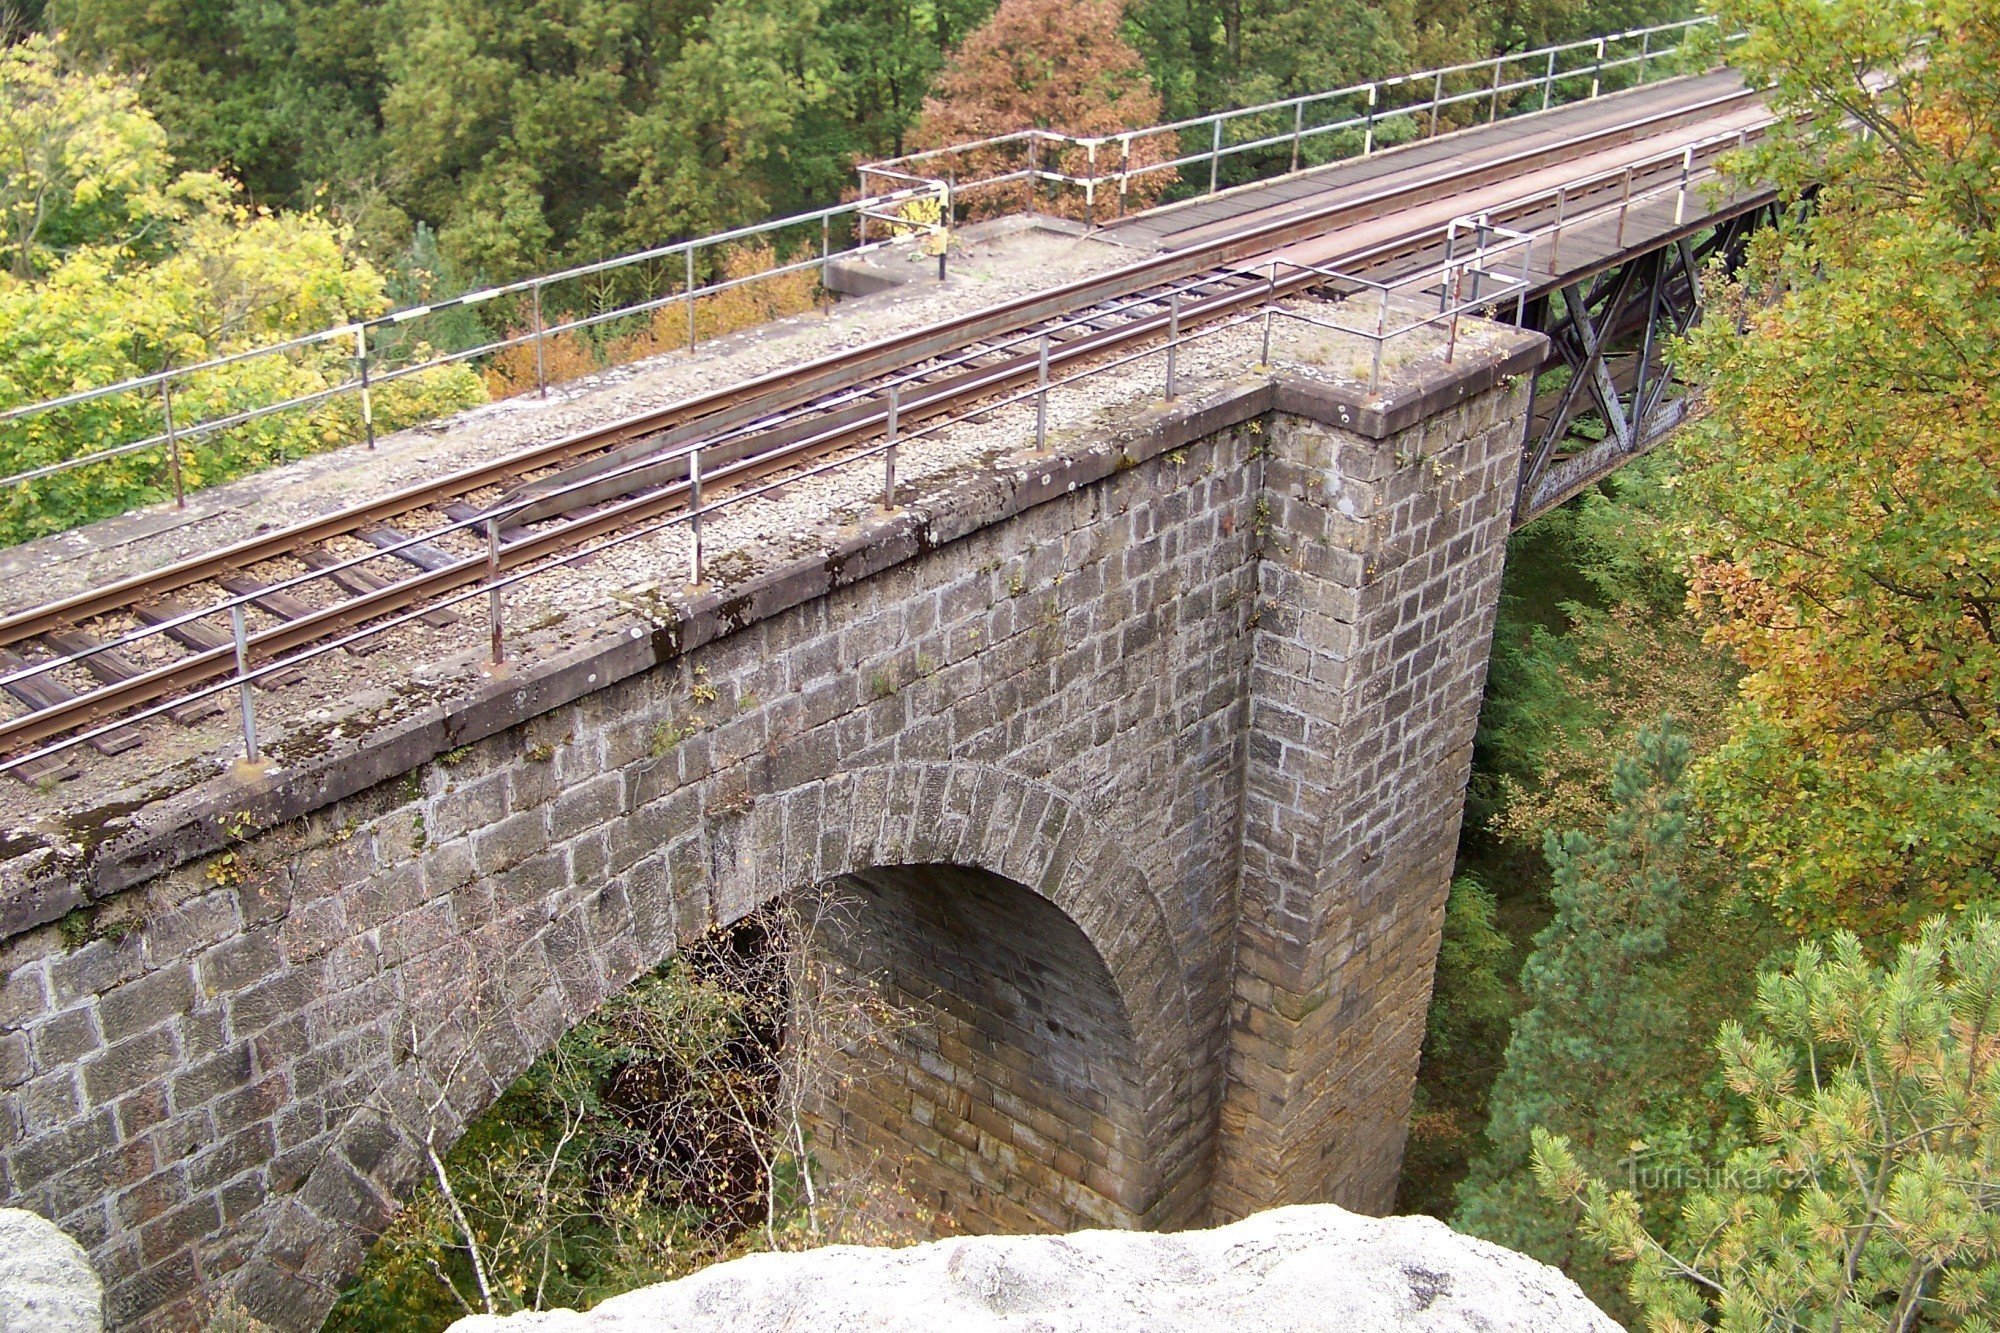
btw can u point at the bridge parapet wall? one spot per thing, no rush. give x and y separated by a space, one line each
1199 657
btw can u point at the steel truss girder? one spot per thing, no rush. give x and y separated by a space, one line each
1612 334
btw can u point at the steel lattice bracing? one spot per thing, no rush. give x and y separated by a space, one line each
1607 392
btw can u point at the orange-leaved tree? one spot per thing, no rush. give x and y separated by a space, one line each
1054 65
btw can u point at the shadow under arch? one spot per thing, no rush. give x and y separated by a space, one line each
864 828
1011 1099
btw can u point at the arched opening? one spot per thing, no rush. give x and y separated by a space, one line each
892 1053
1010 1097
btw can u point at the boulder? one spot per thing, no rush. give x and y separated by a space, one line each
46 1281
1300 1270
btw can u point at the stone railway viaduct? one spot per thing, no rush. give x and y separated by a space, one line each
1139 770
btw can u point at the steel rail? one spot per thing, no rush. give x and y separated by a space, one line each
748 407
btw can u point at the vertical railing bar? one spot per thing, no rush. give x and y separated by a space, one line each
1549 81
1457 291
694 513
863 215
1368 133
1215 156
367 397
1437 95
1042 393
493 608
541 373
889 453
1381 325
1090 188
173 442
1270 303
243 682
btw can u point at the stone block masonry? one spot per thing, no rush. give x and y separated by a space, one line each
1146 757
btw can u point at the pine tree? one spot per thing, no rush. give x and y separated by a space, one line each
1871 1196
1600 1024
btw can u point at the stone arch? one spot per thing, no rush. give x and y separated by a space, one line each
701 856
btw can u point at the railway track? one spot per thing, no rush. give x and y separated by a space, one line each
139 644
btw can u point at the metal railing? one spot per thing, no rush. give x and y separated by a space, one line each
368 378
1381 112
1476 276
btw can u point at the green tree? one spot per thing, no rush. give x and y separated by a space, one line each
889 52
81 163
1870 1197
282 95
131 270
1591 1053
1839 500
536 127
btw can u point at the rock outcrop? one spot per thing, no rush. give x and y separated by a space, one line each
46 1281
1301 1270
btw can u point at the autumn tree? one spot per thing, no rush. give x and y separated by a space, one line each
1054 65
1868 1196
1841 492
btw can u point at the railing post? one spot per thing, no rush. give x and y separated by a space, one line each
1042 393
243 682
1645 51
1215 157
1173 339
493 588
367 398
173 440
1450 253
1298 130
1597 70
694 514
690 294
1437 95
1090 189
541 374
1556 238
1549 81
1381 336
1270 303
1034 166
825 247
1624 204
889 454
1368 132
1124 170
1687 169
1457 292
1493 105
